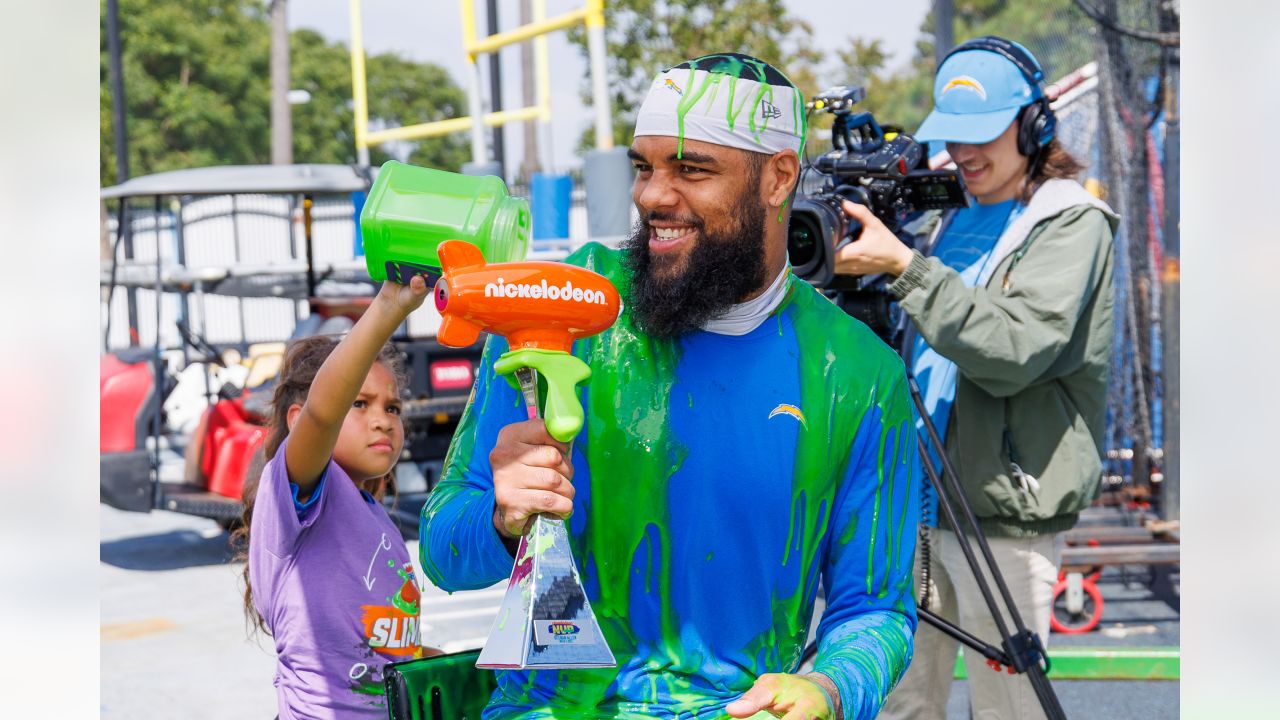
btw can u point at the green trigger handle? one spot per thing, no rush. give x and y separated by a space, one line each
562 372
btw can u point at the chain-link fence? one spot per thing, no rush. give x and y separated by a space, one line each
1112 67
1136 46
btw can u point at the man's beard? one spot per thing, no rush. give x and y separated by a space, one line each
722 269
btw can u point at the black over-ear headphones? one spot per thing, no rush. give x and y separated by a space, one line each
1038 123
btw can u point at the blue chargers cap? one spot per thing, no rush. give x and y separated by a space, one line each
976 96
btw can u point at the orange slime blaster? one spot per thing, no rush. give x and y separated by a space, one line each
541 308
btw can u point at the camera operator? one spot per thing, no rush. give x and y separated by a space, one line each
1012 315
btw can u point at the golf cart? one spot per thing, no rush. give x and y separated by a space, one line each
207 274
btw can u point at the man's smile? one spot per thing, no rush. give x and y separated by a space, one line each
666 239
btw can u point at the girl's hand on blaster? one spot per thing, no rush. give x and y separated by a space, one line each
404 299
531 475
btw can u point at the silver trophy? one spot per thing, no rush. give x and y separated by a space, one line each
545 620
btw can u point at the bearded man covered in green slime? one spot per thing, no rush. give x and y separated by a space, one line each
745 440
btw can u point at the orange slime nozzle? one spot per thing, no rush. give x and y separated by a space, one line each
534 304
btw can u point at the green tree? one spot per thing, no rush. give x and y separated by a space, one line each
324 127
899 99
645 36
1054 30
401 92
197 80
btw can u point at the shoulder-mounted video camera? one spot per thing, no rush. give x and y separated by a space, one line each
872 167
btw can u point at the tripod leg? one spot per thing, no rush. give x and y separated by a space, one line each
1023 648
1045 694
952 483
947 512
1028 566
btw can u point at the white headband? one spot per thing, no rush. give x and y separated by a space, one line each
732 103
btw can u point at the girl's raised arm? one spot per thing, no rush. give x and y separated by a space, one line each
314 426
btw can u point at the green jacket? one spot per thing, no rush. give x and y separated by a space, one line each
1033 351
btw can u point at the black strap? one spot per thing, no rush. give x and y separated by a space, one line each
1026 64
1008 436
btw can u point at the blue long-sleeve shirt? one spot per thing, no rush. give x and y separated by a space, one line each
719 479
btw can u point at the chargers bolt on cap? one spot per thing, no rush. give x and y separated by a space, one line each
976 95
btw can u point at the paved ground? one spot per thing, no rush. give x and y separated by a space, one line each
174 642
173 631
1130 619
173 637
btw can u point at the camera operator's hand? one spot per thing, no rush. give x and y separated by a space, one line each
531 475
877 249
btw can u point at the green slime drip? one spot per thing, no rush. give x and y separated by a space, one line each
632 457
722 66
718 67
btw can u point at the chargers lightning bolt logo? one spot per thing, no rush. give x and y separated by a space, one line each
966 82
792 410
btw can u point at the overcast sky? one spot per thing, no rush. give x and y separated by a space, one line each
431 30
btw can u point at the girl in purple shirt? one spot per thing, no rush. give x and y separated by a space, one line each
328 575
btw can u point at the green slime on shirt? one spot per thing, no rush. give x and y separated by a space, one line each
632 456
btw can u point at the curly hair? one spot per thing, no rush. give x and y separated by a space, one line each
302 361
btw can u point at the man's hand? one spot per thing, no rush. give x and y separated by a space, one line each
790 697
531 475
877 250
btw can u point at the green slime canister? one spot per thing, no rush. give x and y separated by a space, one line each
411 210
